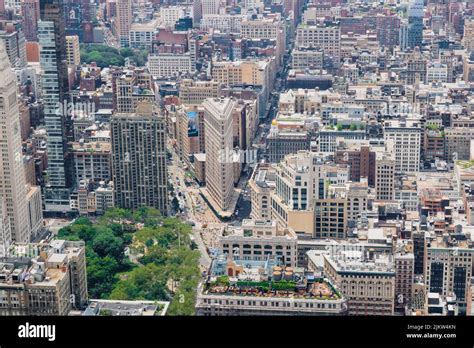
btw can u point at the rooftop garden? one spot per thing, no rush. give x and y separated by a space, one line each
318 289
352 127
465 164
432 126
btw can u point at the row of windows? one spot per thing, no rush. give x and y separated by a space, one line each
271 303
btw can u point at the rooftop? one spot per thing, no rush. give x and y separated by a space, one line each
221 107
258 228
308 288
125 308
98 146
452 241
264 176
359 260
265 279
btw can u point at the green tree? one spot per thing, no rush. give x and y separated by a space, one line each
168 257
155 254
126 52
103 55
142 283
100 275
106 244
184 300
83 221
116 214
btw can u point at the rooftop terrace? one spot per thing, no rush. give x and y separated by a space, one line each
306 288
265 278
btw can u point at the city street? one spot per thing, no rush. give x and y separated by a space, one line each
195 210
192 207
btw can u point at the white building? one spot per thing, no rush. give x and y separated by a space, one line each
301 179
226 23
367 281
253 4
267 28
406 137
261 185
327 37
246 277
448 267
170 15
13 188
256 239
307 58
169 64
104 197
142 34
436 72
218 126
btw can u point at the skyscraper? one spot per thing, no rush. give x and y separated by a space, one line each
219 147
406 137
52 11
139 168
55 91
123 20
415 23
12 176
31 14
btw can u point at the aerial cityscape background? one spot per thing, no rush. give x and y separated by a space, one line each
237 157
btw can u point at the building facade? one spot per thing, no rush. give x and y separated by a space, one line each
326 36
219 149
368 284
256 239
55 89
139 169
53 279
169 64
73 54
123 21
13 190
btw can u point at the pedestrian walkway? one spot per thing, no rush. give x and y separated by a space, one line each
224 215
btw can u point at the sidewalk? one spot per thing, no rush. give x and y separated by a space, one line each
224 215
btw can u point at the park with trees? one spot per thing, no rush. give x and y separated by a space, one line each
139 255
105 56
